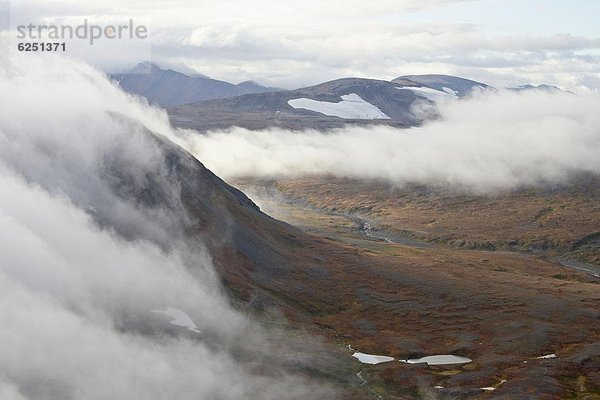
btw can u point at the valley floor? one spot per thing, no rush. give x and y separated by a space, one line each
413 273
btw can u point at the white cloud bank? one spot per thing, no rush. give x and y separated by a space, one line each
75 297
490 141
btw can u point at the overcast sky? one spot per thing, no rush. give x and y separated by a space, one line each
297 43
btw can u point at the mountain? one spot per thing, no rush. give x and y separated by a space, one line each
167 88
333 104
436 87
543 88
443 83
325 106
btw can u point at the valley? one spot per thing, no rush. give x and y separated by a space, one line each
398 292
559 221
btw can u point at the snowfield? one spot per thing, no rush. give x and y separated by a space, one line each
352 106
432 94
438 360
450 91
179 318
371 359
546 356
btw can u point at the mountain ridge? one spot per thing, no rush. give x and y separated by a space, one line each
167 87
265 110
201 103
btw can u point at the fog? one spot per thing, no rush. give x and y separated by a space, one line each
82 261
490 141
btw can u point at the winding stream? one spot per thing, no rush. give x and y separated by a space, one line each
591 269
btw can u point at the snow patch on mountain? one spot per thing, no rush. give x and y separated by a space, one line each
352 106
179 318
433 94
371 358
450 91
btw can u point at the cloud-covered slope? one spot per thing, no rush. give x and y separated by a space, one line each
103 219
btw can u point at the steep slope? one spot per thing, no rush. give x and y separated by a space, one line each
325 106
167 88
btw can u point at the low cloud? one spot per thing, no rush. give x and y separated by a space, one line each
493 140
82 265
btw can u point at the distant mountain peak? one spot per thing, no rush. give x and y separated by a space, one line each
542 87
144 67
169 87
147 67
248 83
